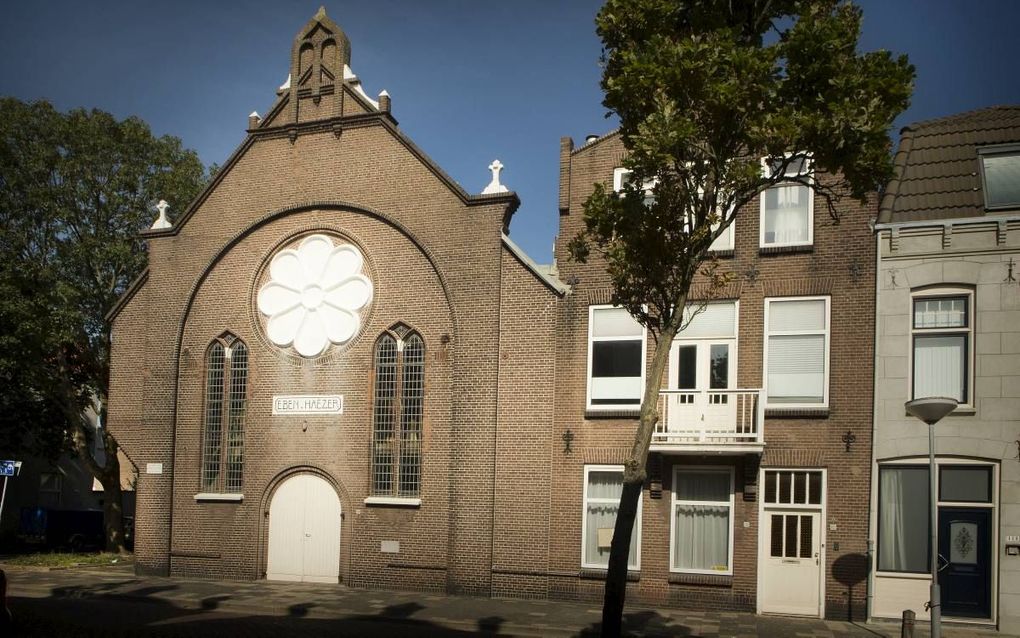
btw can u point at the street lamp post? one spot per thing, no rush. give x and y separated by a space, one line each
931 410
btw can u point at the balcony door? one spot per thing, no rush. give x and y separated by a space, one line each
700 372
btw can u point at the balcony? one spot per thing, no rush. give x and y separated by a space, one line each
710 421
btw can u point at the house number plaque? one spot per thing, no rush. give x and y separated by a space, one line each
294 404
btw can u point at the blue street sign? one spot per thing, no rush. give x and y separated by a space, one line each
6 468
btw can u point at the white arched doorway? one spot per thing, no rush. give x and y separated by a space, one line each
304 531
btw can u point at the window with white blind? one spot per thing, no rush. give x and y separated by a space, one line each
716 319
787 209
797 352
702 521
603 485
941 330
616 359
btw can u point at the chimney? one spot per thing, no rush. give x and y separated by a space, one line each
384 101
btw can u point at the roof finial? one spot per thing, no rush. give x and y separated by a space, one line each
321 13
162 222
494 186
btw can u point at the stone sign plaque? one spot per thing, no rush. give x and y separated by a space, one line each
294 404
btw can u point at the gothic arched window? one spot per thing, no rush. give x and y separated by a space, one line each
226 393
397 415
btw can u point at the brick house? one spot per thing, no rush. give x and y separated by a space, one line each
338 366
948 308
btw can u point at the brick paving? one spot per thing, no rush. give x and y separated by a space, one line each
112 602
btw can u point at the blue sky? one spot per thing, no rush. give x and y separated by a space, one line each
471 81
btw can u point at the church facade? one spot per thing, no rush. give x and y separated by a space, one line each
338 367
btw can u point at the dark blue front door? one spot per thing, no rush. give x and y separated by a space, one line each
965 559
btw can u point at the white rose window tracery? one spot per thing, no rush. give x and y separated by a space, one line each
314 295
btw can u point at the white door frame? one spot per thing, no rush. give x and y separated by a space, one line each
762 545
303 576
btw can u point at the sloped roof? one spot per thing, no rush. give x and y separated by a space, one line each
936 170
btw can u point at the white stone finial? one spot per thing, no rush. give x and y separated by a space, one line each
494 186
162 222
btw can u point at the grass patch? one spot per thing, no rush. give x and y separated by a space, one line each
65 559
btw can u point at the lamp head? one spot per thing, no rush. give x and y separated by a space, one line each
931 409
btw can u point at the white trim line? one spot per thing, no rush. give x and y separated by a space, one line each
546 278
953 221
398 501
216 496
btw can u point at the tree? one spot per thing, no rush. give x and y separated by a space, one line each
717 101
75 190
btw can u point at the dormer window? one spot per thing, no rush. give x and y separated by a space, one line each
1000 174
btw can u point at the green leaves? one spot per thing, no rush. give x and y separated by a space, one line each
75 190
704 91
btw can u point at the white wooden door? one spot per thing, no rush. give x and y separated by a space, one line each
701 366
791 562
304 531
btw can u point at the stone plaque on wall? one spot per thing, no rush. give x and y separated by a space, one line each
295 404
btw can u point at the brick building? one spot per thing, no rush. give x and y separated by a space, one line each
338 366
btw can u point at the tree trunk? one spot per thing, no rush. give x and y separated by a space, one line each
108 476
113 501
634 473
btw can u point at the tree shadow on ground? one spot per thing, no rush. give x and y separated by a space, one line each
115 616
642 623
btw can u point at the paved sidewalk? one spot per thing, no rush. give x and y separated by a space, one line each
112 601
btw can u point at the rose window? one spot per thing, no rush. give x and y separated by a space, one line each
314 295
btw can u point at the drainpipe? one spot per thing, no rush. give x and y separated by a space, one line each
872 498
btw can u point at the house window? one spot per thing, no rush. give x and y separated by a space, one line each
603 485
904 532
787 209
49 489
941 329
702 521
1000 174
724 241
397 414
226 387
616 359
797 353
793 487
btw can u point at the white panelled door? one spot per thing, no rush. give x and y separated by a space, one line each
791 562
304 531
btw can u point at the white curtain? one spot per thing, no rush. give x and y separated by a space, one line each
701 533
603 493
786 214
903 519
701 537
939 364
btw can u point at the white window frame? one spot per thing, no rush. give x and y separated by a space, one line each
644 364
988 152
585 500
922 461
675 501
618 177
810 173
937 292
824 405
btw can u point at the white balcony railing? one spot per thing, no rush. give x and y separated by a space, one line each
710 420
